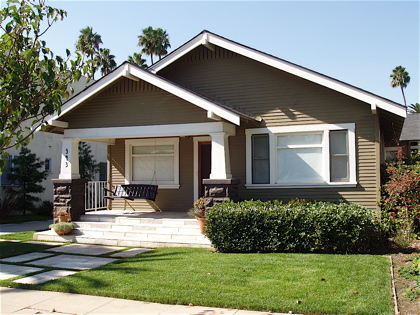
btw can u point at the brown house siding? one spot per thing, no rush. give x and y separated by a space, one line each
282 99
131 103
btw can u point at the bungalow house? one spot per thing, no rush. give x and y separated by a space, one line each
220 119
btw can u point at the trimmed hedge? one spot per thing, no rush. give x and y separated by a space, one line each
256 226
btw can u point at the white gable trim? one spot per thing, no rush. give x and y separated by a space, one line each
134 73
275 62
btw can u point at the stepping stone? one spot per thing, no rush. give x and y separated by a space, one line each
131 252
73 262
46 276
85 249
13 241
26 257
44 243
11 271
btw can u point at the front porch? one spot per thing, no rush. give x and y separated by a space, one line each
133 228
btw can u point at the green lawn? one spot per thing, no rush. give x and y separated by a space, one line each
301 283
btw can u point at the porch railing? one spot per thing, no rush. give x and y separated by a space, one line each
94 195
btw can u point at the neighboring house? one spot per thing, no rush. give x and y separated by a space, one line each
410 135
247 124
47 147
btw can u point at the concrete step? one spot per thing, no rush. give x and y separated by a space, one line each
162 228
132 230
76 236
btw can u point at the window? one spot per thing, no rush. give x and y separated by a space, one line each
260 159
4 180
150 161
48 165
301 156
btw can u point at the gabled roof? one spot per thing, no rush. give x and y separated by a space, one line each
136 73
209 39
411 128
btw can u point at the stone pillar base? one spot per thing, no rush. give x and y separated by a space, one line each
69 195
218 190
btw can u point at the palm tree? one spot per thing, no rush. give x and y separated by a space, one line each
137 59
162 43
105 61
154 42
414 108
400 78
147 41
88 42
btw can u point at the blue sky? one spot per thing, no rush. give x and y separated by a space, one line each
358 42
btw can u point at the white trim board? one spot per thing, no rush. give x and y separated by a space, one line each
176 130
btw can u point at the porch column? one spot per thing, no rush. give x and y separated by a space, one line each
220 186
69 159
220 157
69 189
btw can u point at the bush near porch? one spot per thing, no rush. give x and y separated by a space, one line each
300 226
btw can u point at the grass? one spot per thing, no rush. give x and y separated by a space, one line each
20 236
301 283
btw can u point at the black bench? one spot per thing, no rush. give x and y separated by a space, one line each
132 192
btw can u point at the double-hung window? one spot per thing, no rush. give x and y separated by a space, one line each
301 156
153 161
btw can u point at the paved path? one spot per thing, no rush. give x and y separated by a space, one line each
19 301
25 226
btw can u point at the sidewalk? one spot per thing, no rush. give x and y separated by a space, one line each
19 301
25 226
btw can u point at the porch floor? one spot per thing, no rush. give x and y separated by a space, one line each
133 228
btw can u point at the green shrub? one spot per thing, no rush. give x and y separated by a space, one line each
45 208
256 226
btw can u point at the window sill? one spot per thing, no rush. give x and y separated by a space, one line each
278 186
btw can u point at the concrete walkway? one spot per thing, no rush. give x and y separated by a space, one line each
25 226
19 301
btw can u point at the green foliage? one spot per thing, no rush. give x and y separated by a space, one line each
154 42
414 108
27 174
87 164
62 226
412 273
400 199
137 59
33 80
7 204
400 78
256 226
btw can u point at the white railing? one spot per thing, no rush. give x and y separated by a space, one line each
94 195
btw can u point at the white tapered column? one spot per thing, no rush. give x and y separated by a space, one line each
69 159
220 157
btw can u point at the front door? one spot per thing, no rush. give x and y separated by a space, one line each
204 164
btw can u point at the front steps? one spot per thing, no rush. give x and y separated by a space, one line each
132 230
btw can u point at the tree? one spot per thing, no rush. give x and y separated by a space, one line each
154 42
400 78
162 43
105 61
33 80
88 43
87 164
27 173
137 59
414 108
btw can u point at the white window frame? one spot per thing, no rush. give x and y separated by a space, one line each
50 169
151 142
321 128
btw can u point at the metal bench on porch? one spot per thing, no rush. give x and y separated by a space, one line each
133 191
